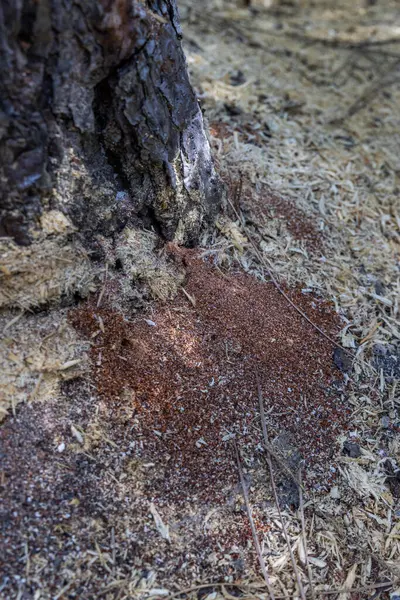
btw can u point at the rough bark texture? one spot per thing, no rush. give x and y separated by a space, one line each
98 120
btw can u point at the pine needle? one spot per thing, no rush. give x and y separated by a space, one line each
304 536
275 493
253 527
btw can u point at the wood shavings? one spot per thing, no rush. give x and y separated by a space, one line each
161 527
33 361
335 177
77 435
362 483
349 582
40 274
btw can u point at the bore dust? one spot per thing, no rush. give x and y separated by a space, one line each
264 206
268 205
184 377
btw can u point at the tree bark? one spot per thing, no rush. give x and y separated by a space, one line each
98 120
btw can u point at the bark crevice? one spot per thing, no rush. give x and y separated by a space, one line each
98 119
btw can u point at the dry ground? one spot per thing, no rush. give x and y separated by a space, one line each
118 470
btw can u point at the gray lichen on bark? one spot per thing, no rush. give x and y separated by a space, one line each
99 121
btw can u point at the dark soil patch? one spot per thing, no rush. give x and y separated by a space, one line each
188 375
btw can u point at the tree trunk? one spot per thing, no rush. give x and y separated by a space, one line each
99 122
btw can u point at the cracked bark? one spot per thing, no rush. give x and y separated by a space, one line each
98 120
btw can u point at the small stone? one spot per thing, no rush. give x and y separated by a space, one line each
385 422
342 360
379 288
380 350
334 493
150 322
351 449
237 78
61 447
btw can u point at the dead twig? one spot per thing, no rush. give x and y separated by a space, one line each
253 527
275 493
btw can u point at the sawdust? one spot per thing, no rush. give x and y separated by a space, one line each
304 114
188 375
151 435
44 273
145 265
37 353
306 124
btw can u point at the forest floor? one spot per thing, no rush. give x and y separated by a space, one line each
133 430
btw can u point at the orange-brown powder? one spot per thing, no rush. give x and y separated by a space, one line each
188 375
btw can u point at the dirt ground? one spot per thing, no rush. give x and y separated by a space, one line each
122 413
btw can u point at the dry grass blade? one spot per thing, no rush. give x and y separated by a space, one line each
304 536
348 584
253 527
13 321
271 471
103 289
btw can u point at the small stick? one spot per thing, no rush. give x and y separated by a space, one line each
189 297
271 471
253 527
113 549
304 536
